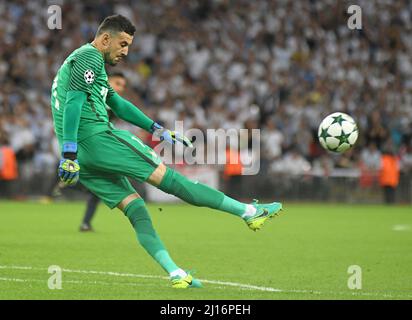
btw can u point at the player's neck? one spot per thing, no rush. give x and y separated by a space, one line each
95 44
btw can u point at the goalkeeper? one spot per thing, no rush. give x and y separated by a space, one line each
102 156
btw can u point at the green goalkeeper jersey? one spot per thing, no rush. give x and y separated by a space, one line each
83 70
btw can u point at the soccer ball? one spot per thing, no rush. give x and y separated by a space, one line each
338 132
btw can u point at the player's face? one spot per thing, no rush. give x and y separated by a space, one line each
118 47
118 84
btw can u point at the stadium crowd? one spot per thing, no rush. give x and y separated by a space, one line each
279 66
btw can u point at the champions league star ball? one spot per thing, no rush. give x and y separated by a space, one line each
338 132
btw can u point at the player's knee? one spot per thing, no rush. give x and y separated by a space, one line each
138 215
157 176
126 201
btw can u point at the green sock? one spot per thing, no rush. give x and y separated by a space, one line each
199 194
147 236
233 206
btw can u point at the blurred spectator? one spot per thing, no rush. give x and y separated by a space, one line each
232 173
347 160
370 164
389 174
371 157
8 167
377 133
323 166
272 141
293 163
406 159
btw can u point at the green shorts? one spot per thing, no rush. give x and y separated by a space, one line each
108 158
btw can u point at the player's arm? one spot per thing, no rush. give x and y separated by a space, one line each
87 63
71 118
79 88
127 111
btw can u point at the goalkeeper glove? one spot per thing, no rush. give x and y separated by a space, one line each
69 166
170 136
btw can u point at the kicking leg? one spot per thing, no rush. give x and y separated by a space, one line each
201 195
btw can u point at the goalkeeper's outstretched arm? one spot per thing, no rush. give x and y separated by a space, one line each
127 111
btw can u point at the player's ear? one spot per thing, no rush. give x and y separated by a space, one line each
106 39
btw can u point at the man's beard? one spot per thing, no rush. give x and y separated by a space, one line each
108 60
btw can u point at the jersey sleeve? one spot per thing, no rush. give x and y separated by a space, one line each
110 93
86 67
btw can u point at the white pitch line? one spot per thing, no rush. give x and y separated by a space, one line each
401 227
74 281
17 267
13 279
216 282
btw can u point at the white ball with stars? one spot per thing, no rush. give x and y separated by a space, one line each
338 132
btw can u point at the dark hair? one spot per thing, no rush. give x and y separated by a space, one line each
117 74
116 23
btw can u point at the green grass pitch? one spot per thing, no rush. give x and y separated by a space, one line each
303 254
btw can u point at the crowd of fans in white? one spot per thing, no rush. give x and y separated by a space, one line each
279 66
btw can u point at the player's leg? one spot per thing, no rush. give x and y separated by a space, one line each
121 152
101 158
135 209
91 207
141 163
199 194
116 191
